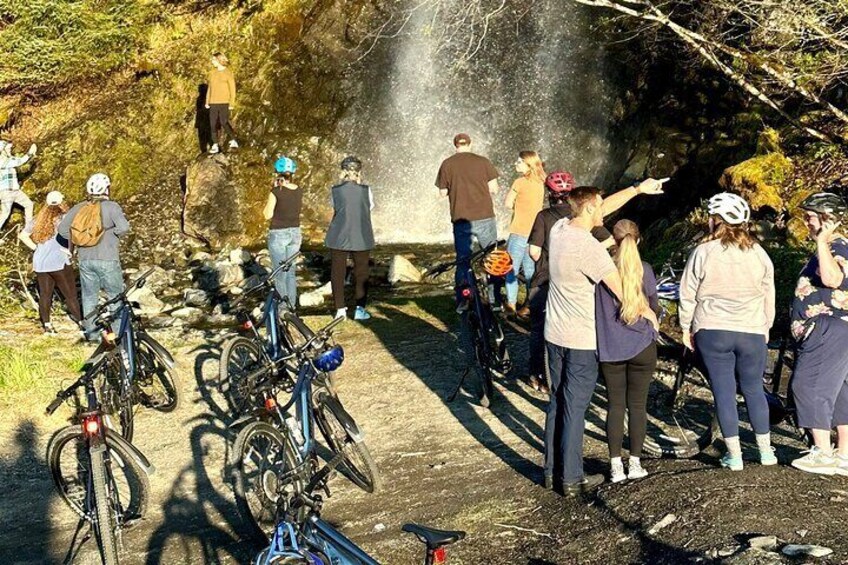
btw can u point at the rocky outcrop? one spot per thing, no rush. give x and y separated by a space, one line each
401 270
212 204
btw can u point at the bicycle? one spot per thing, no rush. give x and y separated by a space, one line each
100 475
681 415
479 326
302 537
244 354
274 448
142 373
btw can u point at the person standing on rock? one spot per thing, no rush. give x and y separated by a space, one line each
526 199
820 326
220 99
10 189
284 236
51 261
95 228
726 311
469 181
350 233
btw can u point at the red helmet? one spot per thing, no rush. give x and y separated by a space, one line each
559 181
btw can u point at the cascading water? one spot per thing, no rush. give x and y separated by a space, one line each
537 83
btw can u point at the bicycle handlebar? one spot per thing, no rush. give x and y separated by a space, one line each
444 267
284 265
63 395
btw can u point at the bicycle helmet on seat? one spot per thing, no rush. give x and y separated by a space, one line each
98 184
285 165
330 359
825 203
732 208
559 182
497 263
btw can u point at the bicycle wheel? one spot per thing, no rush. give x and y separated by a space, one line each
156 383
117 405
358 463
67 457
240 357
483 356
681 414
264 472
105 524
500 361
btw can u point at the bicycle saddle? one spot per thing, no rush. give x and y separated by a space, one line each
432 537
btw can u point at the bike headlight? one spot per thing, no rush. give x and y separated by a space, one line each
330 359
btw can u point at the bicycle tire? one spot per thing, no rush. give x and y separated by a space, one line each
162 379
115 402
131 484
105 524
358 462
279 459
681 421
500 360
239 356
483 354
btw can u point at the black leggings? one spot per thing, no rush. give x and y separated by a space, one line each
220 113
338 270
627 384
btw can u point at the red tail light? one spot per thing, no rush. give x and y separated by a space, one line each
440 556
466 293
91 425
270 404
247 325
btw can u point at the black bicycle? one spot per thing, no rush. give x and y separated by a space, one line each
480 329
682 421
142 372
100 475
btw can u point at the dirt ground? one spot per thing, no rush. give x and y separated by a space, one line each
450 465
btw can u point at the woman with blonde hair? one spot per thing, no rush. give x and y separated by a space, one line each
627 349
525 199
51 261
726 311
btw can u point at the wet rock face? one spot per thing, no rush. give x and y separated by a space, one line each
211 211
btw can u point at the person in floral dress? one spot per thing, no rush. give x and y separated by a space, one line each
820 326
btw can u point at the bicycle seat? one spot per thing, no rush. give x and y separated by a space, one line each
432 537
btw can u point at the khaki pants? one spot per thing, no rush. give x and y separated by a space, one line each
9 198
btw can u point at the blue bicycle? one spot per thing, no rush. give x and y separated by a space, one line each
276 450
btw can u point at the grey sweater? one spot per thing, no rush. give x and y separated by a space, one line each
115 225
727 288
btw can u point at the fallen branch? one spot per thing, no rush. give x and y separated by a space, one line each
528 530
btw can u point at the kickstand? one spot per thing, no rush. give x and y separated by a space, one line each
452 397
72 554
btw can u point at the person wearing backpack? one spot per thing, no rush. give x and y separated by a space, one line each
95 227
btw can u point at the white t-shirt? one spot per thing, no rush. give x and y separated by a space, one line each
49 256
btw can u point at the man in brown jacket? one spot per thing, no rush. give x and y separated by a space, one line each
220 95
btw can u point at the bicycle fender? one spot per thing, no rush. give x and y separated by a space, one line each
114 437
158 349
346 419
246 419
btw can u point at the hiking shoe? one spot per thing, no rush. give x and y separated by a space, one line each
233 144
617 471
214 149
816 461
767 457
587 485
732 463
635 469
341 313
361 314
842 465
49 329
538 383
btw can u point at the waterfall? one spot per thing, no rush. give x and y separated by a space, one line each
537 83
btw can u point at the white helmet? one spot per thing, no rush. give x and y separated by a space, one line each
98 184
731 207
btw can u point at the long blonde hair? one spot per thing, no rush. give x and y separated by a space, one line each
44 227
629 263
535 164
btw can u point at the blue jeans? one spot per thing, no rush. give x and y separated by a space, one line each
282 244
97 275
464 232
516 246
573 374
727 354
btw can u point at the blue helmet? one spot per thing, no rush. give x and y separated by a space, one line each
330 359
285 165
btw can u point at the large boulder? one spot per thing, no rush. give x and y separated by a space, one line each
401 270
211 209
149 305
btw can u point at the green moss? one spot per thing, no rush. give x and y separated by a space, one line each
760 179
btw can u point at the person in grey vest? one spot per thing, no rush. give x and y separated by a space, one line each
350 233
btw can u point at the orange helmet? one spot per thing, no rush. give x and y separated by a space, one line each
497 263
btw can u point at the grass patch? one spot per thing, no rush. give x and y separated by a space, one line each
32 372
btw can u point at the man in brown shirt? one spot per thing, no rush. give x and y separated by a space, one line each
469 181
220 95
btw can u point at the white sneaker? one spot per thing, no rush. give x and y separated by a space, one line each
617 471
341 313
635 470
233 144
214 149
816 461
842 465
